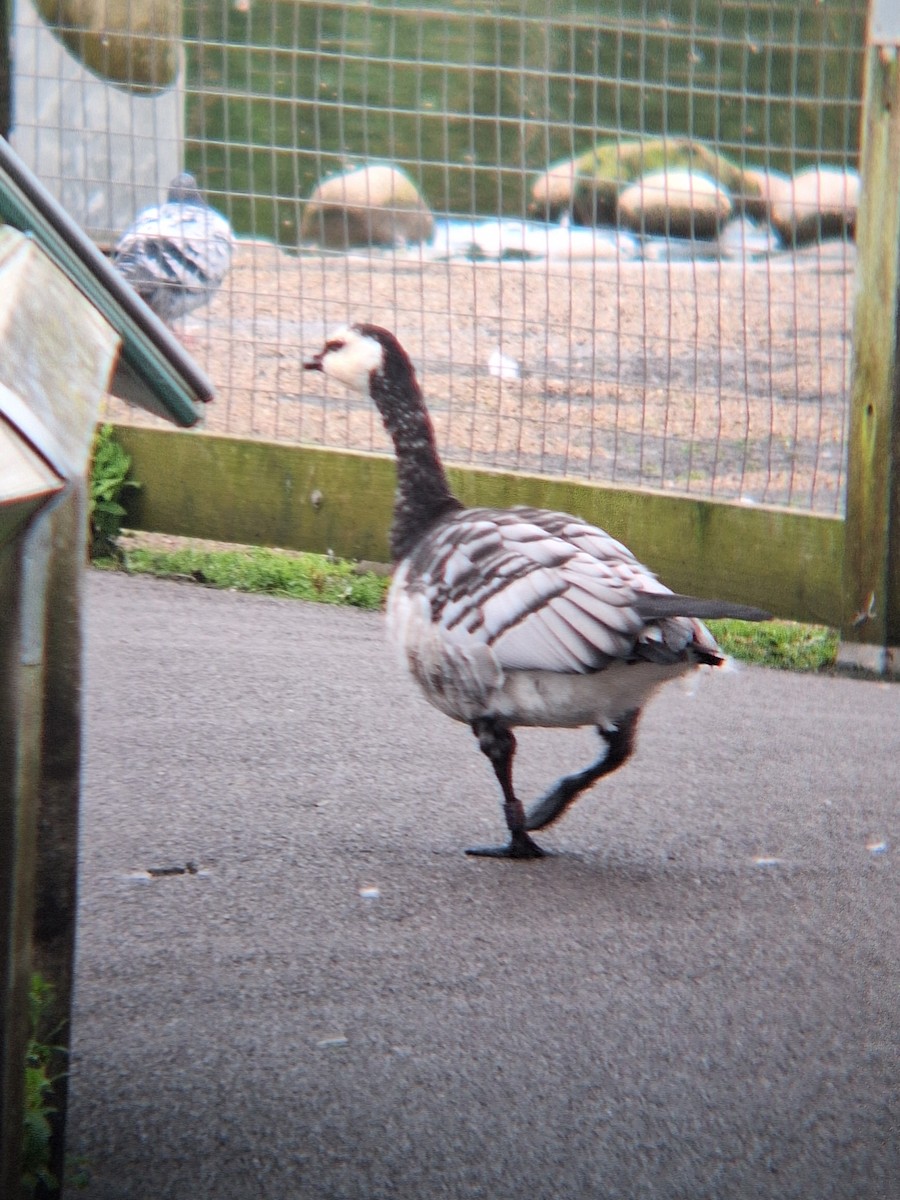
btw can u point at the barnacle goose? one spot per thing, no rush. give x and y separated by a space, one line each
175 255
517 616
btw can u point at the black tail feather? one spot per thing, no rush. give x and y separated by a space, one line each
655 606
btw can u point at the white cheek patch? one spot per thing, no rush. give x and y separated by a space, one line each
371 353
354 360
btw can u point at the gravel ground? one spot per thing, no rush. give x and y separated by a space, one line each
716 378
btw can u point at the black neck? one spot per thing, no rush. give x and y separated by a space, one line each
423 493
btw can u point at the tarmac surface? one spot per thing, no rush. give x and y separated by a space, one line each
293 984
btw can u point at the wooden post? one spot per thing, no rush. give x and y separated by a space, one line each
870 633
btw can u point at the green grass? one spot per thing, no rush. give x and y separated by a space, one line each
782 644
43 1066
276 572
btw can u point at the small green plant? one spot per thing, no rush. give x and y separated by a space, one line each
41 1056
110 466
302 576
782 644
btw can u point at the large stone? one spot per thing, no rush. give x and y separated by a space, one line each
588 187
772 187
821 202
132 43
675 203
552 192
376 205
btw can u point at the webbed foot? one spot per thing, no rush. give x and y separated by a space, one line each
520 845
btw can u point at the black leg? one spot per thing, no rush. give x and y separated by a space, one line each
499 744
619 745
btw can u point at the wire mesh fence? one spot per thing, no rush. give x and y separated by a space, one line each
617 243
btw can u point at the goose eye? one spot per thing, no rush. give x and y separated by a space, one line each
334 344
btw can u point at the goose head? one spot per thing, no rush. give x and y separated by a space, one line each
359 355
371 360
350 355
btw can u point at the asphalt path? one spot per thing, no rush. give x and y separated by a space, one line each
292 983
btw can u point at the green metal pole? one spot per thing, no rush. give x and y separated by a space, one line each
23 573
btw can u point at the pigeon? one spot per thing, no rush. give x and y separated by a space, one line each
175 255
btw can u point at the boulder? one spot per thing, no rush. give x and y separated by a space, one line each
821 202
552 192
588 187
135 44
770 188
376 205
675 203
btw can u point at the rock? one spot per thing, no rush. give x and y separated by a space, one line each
821 203
588 186
377 205
675 203
551 194
134 44
771 188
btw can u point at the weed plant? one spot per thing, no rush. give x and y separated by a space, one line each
42 1058
279 573
110 468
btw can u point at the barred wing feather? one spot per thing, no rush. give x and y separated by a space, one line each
540 591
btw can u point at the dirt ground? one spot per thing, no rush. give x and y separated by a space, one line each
715 378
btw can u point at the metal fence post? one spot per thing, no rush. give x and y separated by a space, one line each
870 634
56 358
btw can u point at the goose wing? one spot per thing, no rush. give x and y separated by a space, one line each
490 591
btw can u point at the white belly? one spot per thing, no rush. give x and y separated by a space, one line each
556 701
463 677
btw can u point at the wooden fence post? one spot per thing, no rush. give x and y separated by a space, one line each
870 633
